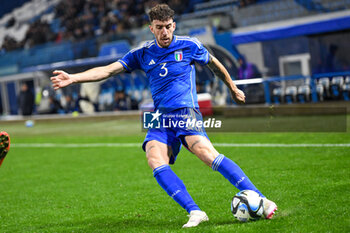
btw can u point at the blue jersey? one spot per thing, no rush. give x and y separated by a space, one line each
170 70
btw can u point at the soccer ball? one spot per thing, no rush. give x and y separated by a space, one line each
247 205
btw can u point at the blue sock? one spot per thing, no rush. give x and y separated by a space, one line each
174 187
231 171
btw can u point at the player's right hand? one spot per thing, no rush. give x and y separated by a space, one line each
62 79
238 96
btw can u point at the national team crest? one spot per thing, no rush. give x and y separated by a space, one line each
178 55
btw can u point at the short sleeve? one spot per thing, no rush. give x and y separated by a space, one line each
199 53
130 61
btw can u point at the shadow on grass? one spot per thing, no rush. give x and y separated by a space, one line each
109 224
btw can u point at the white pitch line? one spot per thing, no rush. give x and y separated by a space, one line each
279 145
86 145
74 145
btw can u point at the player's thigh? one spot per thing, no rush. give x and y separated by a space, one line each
157 153
202 148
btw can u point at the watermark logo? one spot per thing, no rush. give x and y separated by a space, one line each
157 120
151 120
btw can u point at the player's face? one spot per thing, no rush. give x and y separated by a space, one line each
163 31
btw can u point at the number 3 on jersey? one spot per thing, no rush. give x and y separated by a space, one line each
165 70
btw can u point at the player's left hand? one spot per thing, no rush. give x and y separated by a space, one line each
238 96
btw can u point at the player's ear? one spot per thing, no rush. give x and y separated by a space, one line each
174 25
151 28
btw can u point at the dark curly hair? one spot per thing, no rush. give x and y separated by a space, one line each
161 12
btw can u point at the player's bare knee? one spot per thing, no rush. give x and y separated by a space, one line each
149 149
206 154
201 151
202 148
156 155
155 161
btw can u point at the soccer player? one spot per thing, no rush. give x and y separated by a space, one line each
168 63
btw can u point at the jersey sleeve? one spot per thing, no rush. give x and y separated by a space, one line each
130 61
199 53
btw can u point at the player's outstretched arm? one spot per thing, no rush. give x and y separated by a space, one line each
63 79
220 71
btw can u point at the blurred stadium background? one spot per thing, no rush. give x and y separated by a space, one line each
281 53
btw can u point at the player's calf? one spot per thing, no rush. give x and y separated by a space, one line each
233 173
202 148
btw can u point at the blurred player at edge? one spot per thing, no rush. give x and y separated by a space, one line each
4 145
168 63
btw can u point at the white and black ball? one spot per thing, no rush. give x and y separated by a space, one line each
247 205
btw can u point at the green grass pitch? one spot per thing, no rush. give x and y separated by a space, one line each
111 189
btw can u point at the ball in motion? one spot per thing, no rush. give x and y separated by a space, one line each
29 123
247 205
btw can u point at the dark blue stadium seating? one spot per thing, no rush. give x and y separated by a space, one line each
116 48
8 6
